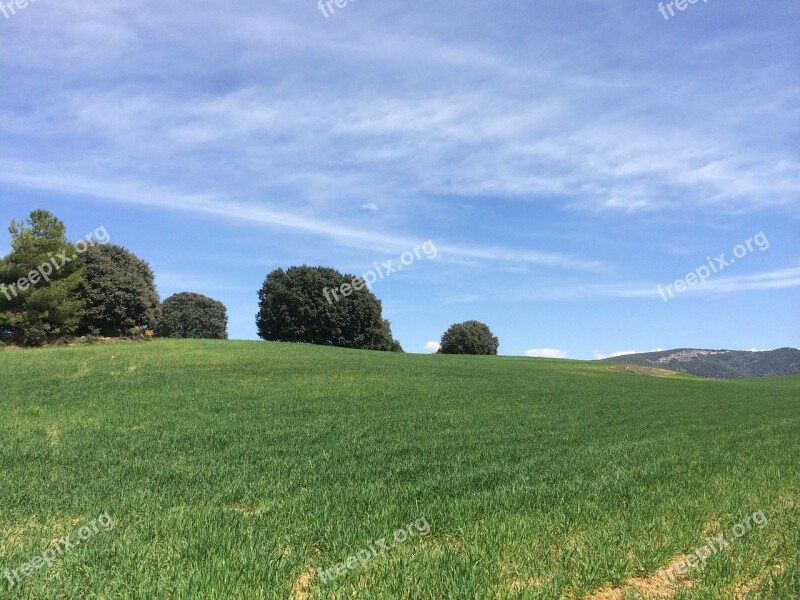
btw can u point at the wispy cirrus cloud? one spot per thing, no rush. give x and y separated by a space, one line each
132 192
534 131
771 280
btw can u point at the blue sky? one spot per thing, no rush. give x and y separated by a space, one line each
565 158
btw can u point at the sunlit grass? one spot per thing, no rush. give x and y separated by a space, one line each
237 469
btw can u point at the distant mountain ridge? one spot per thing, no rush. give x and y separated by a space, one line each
719 364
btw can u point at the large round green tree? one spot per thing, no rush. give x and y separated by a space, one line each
319 305
190 315
118 290
470 337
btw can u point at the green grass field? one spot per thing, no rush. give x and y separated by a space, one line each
236 470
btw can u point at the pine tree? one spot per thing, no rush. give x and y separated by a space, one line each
39 281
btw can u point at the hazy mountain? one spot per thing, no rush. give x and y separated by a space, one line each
719 364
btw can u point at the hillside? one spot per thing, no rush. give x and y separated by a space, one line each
250 470
718 364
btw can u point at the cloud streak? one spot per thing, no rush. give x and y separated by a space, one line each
130 192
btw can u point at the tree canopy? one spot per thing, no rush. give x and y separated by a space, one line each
294 307
190 315
118 290
51 288
470 337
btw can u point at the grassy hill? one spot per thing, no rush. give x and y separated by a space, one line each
239 469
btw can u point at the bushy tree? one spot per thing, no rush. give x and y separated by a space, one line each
118 290
189 315
470 337
294 307
38 282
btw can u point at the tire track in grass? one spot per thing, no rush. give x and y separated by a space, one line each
649 587
743 590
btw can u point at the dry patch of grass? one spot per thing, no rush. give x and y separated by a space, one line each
647 371
53 435
58 533
743 590
302 587
11 537
84 370
248 511
649 587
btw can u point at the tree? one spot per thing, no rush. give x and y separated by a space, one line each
118 290
470 337
189 315
39 282
319 305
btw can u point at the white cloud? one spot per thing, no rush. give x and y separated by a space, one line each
370 206
432 346
546 353
771 280
785 278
